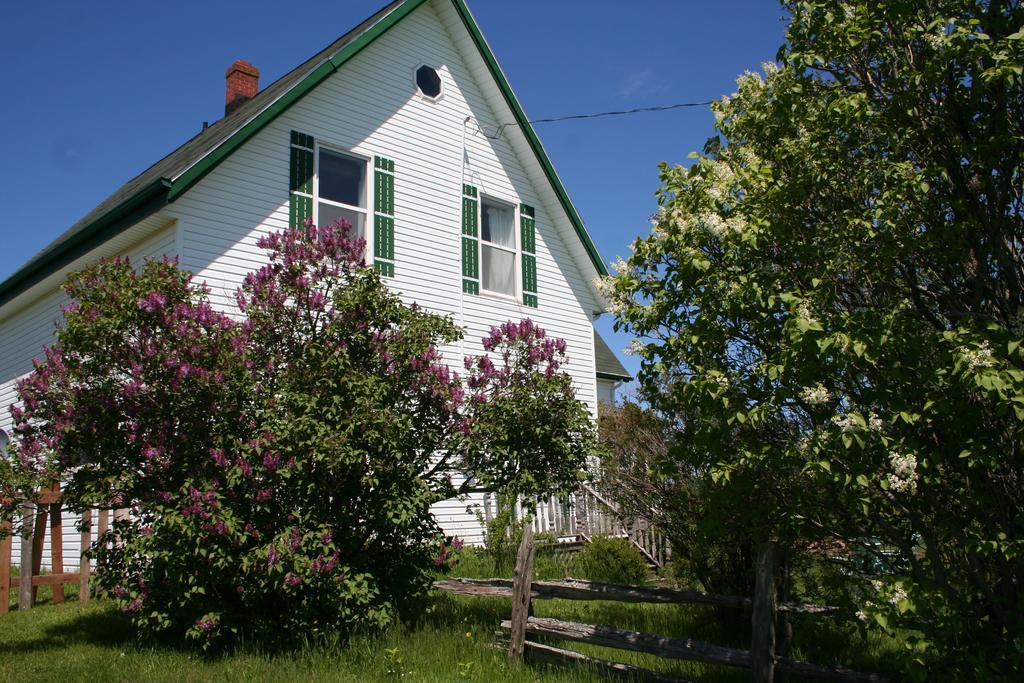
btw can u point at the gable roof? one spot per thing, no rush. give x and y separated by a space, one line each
606 363
176 173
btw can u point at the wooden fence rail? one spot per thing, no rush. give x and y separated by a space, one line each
578 589
46 507
762 659
681 648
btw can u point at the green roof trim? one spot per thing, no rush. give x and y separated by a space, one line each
143 203
176 173
531 135
190 177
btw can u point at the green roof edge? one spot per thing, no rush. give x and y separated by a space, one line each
531 135
133 209
163 190
198 170
613 376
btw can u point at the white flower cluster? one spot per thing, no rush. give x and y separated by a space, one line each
845 422
750 78
904 472
606 288
897 595
893 593
936 41
713 223
719 227
978 358
896 592
815 396
635 348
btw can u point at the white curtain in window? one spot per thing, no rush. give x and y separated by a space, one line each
498 269
497 225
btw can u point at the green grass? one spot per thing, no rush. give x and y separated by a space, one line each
452 639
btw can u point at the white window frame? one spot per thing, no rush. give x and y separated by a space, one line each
367 199
517 259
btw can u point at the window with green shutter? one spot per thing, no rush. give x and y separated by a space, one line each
528 244
470 240
300 184
384 216
327 185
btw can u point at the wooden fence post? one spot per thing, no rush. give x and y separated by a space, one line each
25 569
83 561
521 591
5 567
762 645
38 540
57 545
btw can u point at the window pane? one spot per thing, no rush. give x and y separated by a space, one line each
497 224
342 178
328 213
498 270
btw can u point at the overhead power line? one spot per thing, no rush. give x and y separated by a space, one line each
595 115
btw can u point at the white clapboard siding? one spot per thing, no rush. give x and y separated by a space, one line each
22 338
370 107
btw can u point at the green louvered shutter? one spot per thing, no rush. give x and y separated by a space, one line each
528 240
300 184
470 241
384 216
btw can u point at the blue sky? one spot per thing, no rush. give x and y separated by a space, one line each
98 91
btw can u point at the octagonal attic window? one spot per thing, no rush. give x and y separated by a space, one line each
428 82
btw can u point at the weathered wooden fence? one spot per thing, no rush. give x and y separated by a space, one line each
584 514
42 516
763 659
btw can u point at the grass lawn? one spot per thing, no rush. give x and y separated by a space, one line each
451 640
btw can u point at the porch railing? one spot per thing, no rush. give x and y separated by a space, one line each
587 513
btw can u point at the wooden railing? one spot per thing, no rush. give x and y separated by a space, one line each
40 517
763 659
587 513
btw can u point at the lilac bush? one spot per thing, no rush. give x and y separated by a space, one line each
279 463
529 435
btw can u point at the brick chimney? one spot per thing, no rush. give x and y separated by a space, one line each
243 84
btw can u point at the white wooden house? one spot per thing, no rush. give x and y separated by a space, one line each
391 126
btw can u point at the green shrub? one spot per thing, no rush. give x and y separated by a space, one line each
611 560
502 537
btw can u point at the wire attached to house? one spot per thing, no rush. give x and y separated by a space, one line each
575 117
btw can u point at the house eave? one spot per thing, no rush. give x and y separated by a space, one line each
140 205
614 378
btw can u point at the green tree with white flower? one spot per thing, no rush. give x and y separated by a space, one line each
833 297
